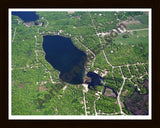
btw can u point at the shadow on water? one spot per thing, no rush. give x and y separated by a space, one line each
65 57
95 80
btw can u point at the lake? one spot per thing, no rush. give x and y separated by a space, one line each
26 16
62 54
65 57
95 79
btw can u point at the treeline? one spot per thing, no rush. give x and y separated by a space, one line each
126 72
115 81
107 105
59 103
23 46
118 54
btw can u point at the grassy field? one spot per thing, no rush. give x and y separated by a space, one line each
128 50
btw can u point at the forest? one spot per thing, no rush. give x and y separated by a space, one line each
36 86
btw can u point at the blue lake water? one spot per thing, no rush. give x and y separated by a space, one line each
26 16
95 79
65 57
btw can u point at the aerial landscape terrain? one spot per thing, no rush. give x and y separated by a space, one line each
80 63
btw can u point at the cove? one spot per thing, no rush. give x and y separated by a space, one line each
26 16
95 79
65 57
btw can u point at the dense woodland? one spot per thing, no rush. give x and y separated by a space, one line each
36 87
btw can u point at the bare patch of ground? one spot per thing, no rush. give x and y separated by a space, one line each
64 88
125 93
20 86
109 92
42 88
130 21
70 12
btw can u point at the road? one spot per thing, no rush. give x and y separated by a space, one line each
118 98
52 81
99 40
119 94
14 34
89 51
84 100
